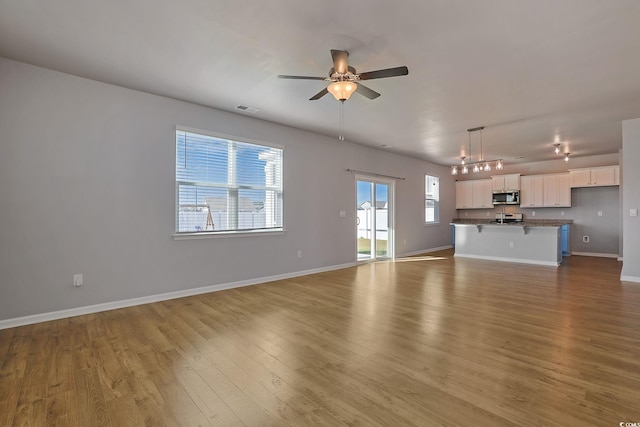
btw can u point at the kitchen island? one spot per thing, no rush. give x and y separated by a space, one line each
529 242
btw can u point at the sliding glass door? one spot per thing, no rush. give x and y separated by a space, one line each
374 221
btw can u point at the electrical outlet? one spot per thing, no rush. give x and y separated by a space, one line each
599 213
533 213
77 280
342 214
512 244
299 254
561 213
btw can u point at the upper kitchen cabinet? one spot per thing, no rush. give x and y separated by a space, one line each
482 194
509 182
474 194
595 177
556 190
531 191
545 191
464 195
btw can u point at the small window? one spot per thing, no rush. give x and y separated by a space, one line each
431 199
224 185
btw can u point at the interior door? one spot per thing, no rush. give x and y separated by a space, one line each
374 221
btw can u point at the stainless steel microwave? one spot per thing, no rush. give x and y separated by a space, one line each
506 198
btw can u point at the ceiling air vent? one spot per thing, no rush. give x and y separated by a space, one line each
247 109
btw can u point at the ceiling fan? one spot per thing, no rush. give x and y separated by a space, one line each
345 80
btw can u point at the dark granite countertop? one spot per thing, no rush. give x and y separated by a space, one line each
525 223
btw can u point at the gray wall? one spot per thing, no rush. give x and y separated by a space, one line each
604 232
631 198
87 172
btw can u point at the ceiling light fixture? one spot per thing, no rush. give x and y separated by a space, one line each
481 165
566 157
557 149
342 90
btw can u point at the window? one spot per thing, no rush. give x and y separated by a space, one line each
226 186
431 199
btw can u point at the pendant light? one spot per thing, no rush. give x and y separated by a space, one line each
481 165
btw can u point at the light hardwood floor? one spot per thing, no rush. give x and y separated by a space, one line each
422 341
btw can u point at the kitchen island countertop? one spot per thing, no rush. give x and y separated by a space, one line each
525 223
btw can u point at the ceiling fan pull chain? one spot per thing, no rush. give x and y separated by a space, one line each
341 137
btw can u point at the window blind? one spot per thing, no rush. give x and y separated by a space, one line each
224 185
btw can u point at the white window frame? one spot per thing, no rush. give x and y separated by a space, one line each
278 187
435 199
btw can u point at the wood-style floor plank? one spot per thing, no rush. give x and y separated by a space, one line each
426 340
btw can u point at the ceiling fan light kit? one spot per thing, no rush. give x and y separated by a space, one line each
481 165
342 90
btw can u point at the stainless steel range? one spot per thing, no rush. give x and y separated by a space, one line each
508 218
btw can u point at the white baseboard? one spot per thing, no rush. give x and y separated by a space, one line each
424 251
630 279
596 254
96 308
518 260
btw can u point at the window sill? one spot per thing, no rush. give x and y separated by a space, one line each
431 223
223 234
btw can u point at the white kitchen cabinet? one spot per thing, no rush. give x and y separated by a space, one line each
580 178
509 182
474 194
595 177
482 194
556 190
464 195
545 191
531 188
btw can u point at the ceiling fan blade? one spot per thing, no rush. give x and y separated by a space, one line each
300 77
389 72
319 95
365 91
340 60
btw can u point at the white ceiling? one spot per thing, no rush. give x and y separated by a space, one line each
530 71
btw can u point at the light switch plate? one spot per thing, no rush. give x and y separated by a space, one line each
633 212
